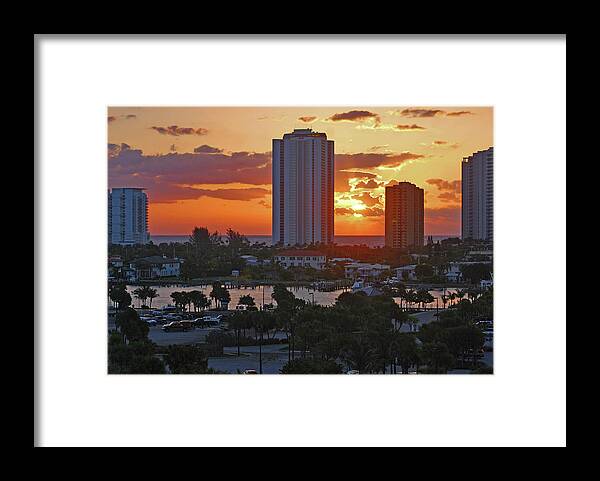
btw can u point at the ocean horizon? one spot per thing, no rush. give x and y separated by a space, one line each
368 240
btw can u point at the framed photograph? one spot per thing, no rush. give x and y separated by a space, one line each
369 225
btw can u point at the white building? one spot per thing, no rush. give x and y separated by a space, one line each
303 188
364 270
127 216
298 258
478 195
155 267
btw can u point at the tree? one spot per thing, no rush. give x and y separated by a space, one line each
151 294
141 294
198 299
404 350
424 271
219 293
247 300
187 359
475 273
134 358
120 297
437 357
130 325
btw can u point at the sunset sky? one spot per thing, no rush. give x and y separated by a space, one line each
211 166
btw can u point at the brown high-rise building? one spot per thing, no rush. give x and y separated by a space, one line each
404 206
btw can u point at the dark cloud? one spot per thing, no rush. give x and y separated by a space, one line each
175 130
423 113
419 113
450 197
112 118
355 116
408 127
307 119
265 204
368 200
164 175
368 212
207 149
444 185
370 160
459 113
116 149
440 142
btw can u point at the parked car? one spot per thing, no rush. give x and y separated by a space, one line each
250 371
151 322
176 326
173 317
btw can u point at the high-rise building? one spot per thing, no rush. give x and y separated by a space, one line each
404 209
478 195
127 216
303 188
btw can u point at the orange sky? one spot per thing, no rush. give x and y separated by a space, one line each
210 166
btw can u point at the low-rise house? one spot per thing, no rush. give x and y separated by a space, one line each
406 273
155 267
364 270
301 258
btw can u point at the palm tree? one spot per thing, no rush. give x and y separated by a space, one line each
151 294
140 294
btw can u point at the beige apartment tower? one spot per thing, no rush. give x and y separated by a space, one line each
404 207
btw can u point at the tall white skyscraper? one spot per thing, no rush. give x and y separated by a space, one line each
478 195
303 173
127 216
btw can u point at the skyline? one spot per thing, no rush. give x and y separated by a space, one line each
211 166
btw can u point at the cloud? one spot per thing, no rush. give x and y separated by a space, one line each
342 179
368 200
245 194
408 127
307 119
428 113
355 116
112 118
371 160
368 212
370 184
375 148
165 176
176 130
459 113
440 142
450 190
420 113
443 216
207 149
450 197
265 204
444 185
